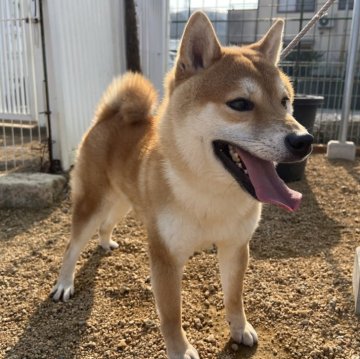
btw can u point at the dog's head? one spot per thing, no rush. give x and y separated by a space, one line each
230 111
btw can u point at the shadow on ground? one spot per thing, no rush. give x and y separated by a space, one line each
58 328
304 233
352 168
16 221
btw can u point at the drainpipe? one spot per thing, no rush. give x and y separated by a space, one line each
55 166
131 38
343 149
350 70
298 51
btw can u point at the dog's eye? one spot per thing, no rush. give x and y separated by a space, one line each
241 104
285 101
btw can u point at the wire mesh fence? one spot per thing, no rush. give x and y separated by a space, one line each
23 135
316 66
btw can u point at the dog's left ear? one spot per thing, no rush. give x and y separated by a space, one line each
199 47
271 44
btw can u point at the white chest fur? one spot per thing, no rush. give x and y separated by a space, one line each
206 216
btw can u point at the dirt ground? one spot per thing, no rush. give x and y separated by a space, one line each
298 290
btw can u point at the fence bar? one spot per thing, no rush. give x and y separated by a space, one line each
3 104
5 57
10 54
350 70
20 37
32 64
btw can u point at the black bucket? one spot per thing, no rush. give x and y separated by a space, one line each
305 107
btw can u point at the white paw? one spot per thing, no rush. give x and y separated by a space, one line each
190 353
244 334
108 246
62 291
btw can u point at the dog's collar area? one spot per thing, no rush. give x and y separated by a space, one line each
232 162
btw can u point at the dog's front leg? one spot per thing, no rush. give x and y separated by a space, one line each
166 275
233 263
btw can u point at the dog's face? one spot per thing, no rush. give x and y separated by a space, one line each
230 110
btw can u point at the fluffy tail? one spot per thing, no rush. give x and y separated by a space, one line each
131 97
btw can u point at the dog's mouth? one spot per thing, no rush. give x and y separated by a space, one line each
257 176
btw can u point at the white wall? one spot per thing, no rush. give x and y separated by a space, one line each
153 25
85 50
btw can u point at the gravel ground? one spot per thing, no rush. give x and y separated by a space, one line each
298 285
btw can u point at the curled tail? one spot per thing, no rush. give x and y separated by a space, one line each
131 97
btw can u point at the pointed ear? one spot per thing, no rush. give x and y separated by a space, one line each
271 44
199 47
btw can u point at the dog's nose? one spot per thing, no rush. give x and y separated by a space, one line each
299 145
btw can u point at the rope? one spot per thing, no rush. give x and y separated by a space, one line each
306 28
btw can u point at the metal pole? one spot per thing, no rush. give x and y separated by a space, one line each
131 38
350 70
55 166
298 51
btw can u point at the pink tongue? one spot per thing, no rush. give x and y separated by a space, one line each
269 187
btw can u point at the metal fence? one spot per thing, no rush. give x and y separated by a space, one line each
84 51
317 66
22 132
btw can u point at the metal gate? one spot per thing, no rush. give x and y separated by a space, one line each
21 81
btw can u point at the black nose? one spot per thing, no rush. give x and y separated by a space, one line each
299 145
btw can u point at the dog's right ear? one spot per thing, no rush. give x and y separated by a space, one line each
199 47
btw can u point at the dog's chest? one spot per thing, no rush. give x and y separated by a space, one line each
204 222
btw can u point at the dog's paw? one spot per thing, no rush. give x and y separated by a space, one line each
108 246
62 291
245 335
190 353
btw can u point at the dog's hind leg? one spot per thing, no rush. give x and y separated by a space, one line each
85 220
233 263
116 212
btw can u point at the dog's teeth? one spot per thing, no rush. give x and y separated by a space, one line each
234 155
246 171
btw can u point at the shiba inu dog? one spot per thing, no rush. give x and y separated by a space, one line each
196 172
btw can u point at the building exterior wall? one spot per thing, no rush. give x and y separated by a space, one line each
85 51
246 26
153 24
